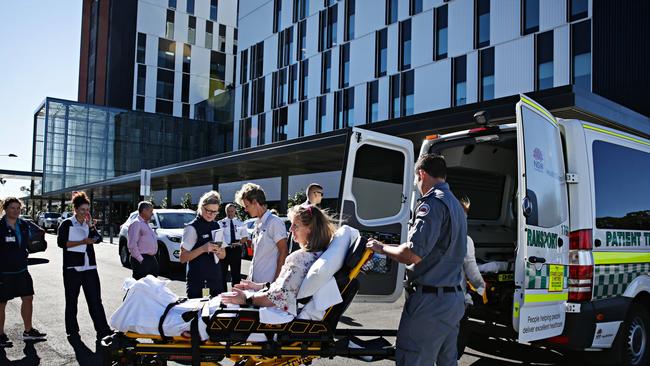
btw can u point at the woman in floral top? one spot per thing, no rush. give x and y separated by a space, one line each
312 229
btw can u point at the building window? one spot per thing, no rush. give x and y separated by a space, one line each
142 80
165 84
191 31
214 5
245 127
164 107
327 72
344 66
288 46
338 109
186 110
243 68
261 129
208 34
277 15
544 54
244 100
304 79
372 93
169 29
440 36
459 81
578 9
393 107
486 76
348 107
171 4
139 103
301 49
166 53
381 52
185 88
530 16
257 60
300 10
481 23
293 81
303 117
405 45
391 11
321 114
217 65
349 19
407 94
415 7
257 96
581 54
190 7
187 58
280 124
327 22
222 38
142 46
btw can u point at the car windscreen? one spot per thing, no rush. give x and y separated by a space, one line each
52 215
175 220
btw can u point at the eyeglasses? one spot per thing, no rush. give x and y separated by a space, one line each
212 212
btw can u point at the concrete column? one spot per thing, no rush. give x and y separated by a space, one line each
109 217
169 195
62 203
49 205
284 192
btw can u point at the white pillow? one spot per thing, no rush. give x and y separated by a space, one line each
329 262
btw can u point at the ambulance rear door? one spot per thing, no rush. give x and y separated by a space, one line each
541 267
376 184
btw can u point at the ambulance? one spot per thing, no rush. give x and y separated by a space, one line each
560 218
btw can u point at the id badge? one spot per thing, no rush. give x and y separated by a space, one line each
205 292
10 239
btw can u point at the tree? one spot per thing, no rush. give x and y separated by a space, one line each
297 199
163 203
187 200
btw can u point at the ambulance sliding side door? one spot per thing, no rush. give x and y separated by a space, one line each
541 267
376 185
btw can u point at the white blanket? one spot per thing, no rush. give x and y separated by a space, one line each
147 299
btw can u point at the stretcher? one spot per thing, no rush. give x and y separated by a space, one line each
295 343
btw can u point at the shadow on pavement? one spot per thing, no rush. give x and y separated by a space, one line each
31 356
511 350
84 355
36 261
349 321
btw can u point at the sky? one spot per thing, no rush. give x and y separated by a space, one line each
39 57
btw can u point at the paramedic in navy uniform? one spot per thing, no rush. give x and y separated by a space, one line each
434 255
198 250
15 280
80 269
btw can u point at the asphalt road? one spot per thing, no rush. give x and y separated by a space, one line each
49 305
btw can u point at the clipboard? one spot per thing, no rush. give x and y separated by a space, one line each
77 234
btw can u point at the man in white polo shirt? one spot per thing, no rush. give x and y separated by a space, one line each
269 235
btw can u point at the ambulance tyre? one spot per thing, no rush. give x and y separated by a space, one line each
633 338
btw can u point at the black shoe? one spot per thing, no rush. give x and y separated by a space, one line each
5 342
33 334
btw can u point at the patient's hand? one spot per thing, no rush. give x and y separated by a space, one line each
236 297
249 285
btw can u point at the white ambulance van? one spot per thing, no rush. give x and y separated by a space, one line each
560 219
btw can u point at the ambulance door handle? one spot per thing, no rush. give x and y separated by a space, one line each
533 259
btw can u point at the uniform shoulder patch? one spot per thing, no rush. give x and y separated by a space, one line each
423 210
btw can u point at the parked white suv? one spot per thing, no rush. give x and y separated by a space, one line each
63 216
168 225
48 220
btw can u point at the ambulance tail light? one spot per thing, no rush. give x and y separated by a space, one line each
580 240
580 282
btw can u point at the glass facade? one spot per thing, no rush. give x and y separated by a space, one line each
77 144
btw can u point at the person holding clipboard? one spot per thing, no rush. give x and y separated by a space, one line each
201 249
77 236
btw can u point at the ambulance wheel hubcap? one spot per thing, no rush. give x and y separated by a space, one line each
636 340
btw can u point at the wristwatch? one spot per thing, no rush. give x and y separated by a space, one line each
249 301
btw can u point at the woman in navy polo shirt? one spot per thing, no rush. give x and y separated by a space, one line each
15 280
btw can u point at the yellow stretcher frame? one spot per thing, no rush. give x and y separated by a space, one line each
129 348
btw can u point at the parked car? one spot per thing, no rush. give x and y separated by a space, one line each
37 242
63 216
168 225
247 253
48 220
26 218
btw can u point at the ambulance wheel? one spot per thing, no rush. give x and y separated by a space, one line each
633 338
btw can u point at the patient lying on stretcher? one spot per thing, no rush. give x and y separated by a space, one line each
312 229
